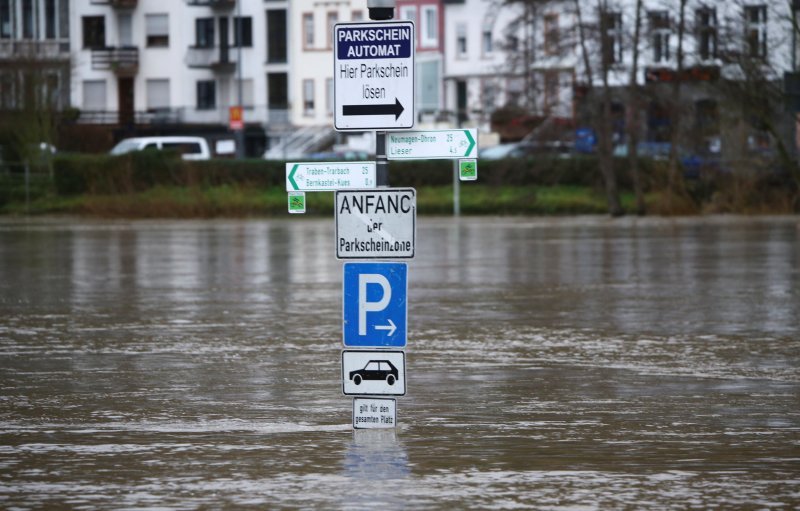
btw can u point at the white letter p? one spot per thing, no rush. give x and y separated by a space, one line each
364 279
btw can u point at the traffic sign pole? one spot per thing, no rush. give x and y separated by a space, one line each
381 161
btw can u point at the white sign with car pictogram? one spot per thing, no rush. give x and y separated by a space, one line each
373 373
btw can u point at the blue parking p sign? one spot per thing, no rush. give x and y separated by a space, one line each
375 305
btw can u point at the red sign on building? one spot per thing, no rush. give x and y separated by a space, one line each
236 118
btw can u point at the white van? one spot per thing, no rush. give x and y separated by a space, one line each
190 148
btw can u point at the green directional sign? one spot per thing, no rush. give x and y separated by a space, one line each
329 176
425 145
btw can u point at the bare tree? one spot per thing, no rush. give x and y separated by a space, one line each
753 88
633 112
675 181
606 41
31 90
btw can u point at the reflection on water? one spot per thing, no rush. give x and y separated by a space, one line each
377 464
552 363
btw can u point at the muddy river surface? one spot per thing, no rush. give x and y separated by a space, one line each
582 363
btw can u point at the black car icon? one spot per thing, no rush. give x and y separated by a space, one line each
375 370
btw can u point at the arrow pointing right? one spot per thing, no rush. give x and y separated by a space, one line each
390 327
471 142
384 109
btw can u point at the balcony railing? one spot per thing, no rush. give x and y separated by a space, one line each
214 4
34 50
122 61
216 58
186 115
117 4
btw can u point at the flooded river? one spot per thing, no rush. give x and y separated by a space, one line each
581 363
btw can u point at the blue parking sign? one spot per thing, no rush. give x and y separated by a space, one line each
375 305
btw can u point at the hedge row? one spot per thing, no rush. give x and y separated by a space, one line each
135 172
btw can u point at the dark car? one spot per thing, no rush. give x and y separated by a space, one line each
375 370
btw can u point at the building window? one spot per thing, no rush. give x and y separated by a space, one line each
430 27
157 27
206 95
50 19
28 25
659 35
204 32
277 91
94 95
329 96
94 31
552 36
428 86
333 19
408 13
461 41
308 30
5 19
157 94
248 94
125 28
308 97
611 25
486 42
551 92
706 21
512 43
488 95
247 31
515 88
276 36
755 17
357 16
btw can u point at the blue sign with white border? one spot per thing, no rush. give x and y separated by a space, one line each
375 305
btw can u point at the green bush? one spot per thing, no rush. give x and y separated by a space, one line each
139 171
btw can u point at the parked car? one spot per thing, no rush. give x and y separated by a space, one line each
654 150
190 148
556 148
501 151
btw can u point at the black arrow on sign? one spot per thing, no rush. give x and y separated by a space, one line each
386 109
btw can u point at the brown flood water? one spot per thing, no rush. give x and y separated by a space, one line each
580 363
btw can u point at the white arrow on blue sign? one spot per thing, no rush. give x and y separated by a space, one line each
375 305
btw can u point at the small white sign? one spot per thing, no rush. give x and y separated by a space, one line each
436 144
329 176
373 373
374 413
373 75
376 224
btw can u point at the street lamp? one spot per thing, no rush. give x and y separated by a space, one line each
239 132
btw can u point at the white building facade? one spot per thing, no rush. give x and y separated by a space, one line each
174 64
531 54
140 62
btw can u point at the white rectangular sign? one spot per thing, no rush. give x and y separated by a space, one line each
329 176
374 413
376 224
373 75
441 144
373 373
